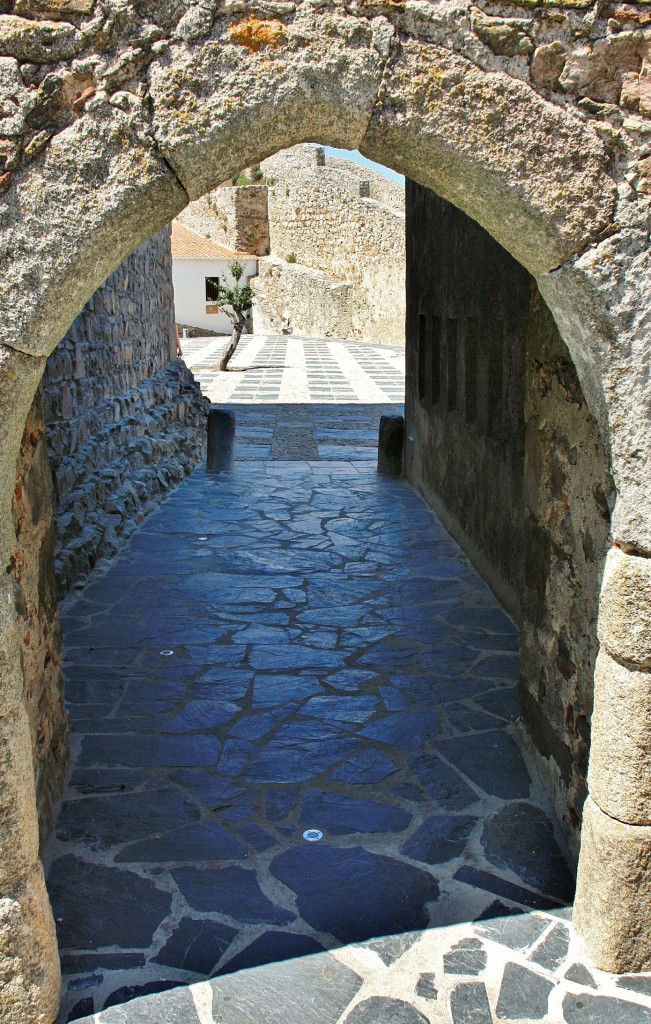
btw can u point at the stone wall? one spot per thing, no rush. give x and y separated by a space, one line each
125 418
506 450
324 215
341 224
34 599
317 305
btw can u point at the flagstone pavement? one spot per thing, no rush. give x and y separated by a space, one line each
298 792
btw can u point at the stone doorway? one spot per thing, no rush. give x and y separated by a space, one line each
181 104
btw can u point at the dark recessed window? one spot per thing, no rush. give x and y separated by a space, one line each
212 289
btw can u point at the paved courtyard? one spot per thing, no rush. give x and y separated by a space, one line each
294 720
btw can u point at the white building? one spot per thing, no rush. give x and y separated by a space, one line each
199 265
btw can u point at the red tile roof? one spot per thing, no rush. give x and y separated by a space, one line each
187 245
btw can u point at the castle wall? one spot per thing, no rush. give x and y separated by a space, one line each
502 444
327 217
125 419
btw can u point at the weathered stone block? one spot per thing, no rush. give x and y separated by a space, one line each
221 440
625 608
390 445
18 829
619 777
29 961
38 41
612 907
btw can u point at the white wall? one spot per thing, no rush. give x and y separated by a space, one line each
189 277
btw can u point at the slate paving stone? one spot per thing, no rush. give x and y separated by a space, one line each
340 815
443 785
426 986
466 957
511 927
340 709
354 894
280 689
232 891
207 841
100 780
523 995
504 703
589 1009
216 793
501 887
277 659
296 755
202 716
491 760
520 837
312 990
469 1004
366 767
391 947
552 952
440 838
636 983
379 1010
169 1003
350 679
580 975
97 906
257 837
280 802
272 947
406 730
150 751
77 963
81 1009
196 945
106 820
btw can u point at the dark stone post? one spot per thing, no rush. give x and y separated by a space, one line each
390 442
221 440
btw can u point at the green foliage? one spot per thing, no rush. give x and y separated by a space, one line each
291 257
235 300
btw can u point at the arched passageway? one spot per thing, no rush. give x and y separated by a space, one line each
155 106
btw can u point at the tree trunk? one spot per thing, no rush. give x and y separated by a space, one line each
235 340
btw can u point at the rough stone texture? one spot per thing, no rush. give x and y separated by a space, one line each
124 424
343 227
619 779
465 133
317 305
625 609
29 973
561 179
495 409
356 242
34 599
208 136
612 907
237 216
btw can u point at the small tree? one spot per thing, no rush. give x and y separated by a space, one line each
235 301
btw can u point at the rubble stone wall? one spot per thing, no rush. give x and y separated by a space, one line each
125 418
316 304
506 449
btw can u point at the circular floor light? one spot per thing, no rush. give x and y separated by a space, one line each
312 835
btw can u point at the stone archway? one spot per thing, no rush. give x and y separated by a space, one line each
148 105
